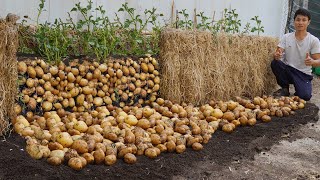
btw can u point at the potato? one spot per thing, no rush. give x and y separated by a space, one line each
80 146
228 116
155 139
34 151
70 154
266 118
243 120
180 148
228 128
171 146
58 153
131 120
22 67
130 158
206 138
197 146
301 105
124 151
236 123
196 129
252 121
55 146
111 149
89 157
64 139
162 147
91 145
279 113
159 128
21 119
151 153
83 160
129 137
110 159
75 163
81 126
191 140
147 112
27 131
99 156
141 147
55 161
232 105
45 151
100 146
143 123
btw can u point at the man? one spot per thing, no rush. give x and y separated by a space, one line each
295 56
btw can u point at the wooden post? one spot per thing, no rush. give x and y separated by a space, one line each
177 18
195 19
172 13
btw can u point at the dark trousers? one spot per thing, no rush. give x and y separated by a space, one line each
286 75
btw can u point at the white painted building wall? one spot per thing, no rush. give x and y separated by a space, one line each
271 12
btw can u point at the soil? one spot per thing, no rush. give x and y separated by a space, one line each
285 148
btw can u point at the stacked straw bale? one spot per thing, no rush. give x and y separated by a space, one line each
8 71
197 66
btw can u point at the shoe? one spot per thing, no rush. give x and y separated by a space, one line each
282 92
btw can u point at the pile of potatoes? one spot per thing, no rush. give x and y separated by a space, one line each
80 87
75 117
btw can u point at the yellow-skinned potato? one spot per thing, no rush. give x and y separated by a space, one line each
75 163
180 148
110 159
81 126
89 158
80 146
55 161
99 156
64 139
130 158
34 151
197 146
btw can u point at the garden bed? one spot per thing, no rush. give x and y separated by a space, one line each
221 151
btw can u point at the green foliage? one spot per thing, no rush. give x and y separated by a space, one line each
101 37
52 40
259 28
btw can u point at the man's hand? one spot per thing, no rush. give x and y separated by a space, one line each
308 61
278 54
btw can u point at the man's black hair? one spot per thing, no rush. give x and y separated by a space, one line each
302 12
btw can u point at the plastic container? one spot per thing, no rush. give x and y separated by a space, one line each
316 71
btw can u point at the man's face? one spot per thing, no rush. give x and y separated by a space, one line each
301 23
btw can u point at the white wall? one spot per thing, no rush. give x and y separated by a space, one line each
271 12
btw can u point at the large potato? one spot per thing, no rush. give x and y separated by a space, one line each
130 158
80 146
64 139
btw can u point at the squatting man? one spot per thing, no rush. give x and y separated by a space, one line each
295 56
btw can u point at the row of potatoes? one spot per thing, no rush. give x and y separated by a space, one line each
84 137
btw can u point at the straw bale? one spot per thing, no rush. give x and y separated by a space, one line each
8 71
197 66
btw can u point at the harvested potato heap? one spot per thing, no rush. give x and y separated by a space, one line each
88 86
83 137
97 113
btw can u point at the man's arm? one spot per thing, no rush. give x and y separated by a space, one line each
314 60
278 54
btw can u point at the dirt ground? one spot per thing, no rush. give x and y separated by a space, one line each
286 148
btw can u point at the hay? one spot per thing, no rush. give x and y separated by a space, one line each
197 66
8 71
